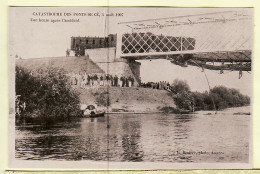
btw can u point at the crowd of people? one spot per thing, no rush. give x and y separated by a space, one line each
164 85
84 80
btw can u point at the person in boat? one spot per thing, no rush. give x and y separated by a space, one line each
91 111
88 109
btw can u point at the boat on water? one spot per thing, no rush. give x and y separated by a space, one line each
91 111
94 115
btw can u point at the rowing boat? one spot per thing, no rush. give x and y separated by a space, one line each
94 115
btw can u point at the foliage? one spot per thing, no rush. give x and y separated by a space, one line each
220 97
179 86
47 94
202 101
184 100
181 94
225 97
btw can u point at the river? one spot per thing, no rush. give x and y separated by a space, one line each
199 137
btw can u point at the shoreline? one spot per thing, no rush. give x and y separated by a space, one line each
158 112
181 112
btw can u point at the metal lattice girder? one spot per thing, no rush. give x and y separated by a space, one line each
148 42
204 33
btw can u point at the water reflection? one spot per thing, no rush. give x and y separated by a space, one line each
137 137
131 140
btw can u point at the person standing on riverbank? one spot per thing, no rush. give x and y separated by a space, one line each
116 80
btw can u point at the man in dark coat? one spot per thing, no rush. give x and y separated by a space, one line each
123 81
127 81
116 80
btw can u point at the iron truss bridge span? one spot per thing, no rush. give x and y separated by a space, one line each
216 41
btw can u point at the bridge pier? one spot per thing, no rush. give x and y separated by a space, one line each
106 59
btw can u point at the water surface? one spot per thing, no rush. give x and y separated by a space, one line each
200 137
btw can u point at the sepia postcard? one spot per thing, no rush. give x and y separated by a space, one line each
130 87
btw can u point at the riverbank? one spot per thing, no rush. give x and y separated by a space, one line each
127 99
133 100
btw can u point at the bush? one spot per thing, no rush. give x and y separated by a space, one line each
48 95
182 95
225 97
220 97
183 100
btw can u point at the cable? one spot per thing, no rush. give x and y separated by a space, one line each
209 87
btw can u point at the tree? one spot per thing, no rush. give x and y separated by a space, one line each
47 94
182 96
179 86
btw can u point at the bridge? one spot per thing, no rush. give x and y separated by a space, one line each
216 41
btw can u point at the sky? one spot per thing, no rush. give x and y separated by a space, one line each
33 39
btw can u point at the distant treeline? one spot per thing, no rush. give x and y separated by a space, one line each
44 96
218 98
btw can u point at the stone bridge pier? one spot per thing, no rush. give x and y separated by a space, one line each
106 59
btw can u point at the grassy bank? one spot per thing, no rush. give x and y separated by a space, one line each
120 99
